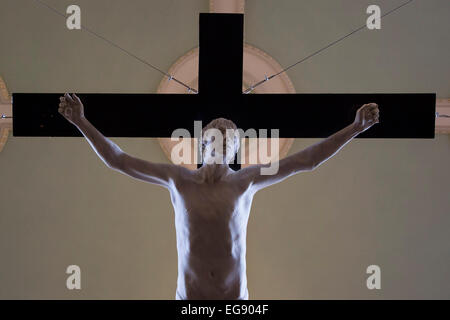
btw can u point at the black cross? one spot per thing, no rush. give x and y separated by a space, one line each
220 94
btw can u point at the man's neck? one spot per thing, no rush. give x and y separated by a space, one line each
214 171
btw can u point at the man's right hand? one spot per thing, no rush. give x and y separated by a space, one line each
71 108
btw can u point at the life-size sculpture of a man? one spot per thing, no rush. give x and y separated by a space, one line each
212 204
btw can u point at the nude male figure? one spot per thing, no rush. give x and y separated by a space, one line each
212 204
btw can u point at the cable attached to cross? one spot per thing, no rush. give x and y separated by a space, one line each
320 50
250 89
170 77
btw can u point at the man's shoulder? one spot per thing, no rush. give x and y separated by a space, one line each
241 179
184 175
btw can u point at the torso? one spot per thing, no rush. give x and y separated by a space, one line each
211 215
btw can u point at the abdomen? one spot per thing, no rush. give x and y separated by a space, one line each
206 278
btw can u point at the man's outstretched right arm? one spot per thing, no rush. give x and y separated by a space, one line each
110 153
106 149
156 173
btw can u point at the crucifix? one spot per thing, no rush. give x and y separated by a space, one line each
219 94
212 204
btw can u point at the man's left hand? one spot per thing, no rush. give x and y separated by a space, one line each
366 116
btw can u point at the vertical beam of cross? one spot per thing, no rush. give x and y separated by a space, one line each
221 52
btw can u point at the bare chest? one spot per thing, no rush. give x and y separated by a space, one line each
217 201
210 216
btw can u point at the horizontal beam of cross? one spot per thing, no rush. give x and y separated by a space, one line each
409 115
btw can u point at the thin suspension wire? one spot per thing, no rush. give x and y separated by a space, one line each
124 50
438 115
320 50
170 77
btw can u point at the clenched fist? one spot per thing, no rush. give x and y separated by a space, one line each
367 116
71 108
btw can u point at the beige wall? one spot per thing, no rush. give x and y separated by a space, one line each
381 202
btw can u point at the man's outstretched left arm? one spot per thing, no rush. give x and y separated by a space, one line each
366 117
313 156
325 149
